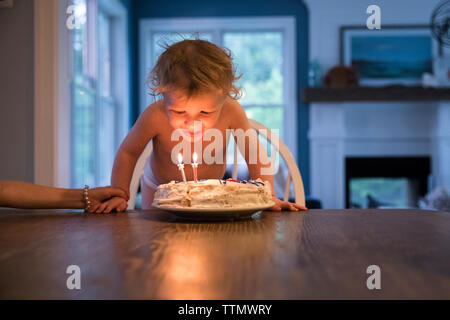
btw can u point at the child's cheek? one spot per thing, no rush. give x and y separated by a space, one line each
213 122
176 122
210 123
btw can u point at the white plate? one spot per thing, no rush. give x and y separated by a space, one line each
215 213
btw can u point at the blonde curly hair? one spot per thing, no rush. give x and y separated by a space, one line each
194 66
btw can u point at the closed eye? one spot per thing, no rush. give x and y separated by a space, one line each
177 112
205 112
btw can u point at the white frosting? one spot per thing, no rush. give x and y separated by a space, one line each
213 193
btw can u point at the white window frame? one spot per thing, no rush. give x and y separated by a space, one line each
51 94
217 26
119 63
119 70
52 76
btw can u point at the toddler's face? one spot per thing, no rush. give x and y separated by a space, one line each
182 111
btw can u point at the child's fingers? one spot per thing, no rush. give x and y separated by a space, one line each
102 207
94 207
275 208
286 205
117 204
289 206
122 207
113 204
300 207
109 208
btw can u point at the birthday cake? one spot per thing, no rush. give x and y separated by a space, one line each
214 193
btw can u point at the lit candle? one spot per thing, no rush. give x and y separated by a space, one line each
194 166
181 166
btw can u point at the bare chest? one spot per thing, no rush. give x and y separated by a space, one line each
211 151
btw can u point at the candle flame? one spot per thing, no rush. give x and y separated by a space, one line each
180 158
194 157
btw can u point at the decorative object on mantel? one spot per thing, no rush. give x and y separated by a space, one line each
391 55
439 25
341 77
438 199
428 80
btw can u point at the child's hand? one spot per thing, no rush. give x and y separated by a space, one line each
286 205
100 194
116 203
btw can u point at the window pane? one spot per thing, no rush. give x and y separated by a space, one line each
83 104
83 135
80 38
104 56
106 144
107 106
95 106
271 117
259 57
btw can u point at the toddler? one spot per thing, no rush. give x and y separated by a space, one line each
196 81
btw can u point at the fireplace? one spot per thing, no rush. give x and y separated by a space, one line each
364 129
377 182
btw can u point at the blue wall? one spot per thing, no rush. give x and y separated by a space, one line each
223 8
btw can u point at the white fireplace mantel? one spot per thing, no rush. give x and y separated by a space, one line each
343 129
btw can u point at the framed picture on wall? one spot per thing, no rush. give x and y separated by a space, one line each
391 55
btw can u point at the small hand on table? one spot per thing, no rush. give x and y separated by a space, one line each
106 199
281 205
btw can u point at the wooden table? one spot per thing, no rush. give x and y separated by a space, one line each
154 255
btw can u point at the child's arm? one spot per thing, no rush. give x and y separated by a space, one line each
262 164
16 194
131 148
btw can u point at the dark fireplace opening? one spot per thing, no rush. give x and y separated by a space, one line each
386 182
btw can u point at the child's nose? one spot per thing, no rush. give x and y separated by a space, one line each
189 122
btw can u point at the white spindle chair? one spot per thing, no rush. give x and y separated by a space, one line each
294 175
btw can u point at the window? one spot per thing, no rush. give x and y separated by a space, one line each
259 57
99 115
263 51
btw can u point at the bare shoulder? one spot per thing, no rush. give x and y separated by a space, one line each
235 114
154 112
149 124
152 116
232 107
